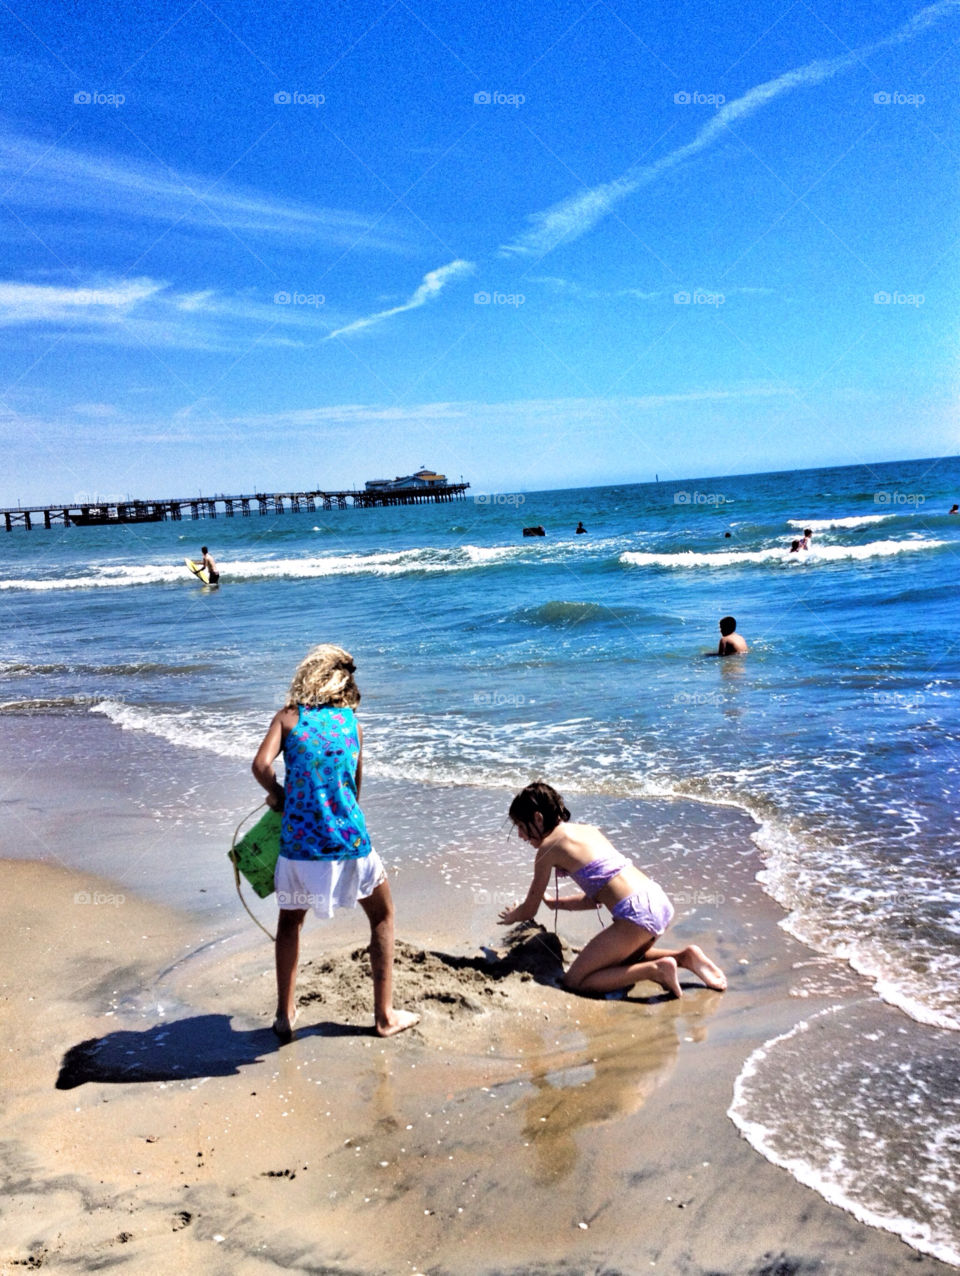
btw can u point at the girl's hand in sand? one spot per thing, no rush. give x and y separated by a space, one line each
510 915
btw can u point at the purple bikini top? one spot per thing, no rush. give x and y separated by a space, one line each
594 876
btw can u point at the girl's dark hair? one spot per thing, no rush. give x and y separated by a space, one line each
538 797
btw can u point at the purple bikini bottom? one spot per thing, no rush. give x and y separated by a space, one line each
649 909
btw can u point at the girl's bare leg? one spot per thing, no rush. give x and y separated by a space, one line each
289 925
694 959
605 963
379 909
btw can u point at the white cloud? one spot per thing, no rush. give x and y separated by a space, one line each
433 282
573 217
149 312
38 303
99 410
356 416
37 175
569 288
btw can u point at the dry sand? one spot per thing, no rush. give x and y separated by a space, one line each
153 1123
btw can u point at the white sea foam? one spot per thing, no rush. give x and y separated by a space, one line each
824 524
491 553
779 554
227 735
793 875
861 1080
308 567
399 562
422 559
103 577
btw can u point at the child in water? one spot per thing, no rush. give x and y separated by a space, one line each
622 954
326 859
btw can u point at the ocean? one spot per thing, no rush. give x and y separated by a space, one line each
487 659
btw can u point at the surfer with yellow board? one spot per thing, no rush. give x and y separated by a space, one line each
206 569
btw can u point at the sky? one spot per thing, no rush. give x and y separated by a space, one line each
275 246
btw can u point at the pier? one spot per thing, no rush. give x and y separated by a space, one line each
173 509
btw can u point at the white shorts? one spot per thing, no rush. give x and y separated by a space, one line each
324 885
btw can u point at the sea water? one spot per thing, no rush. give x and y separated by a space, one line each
488 659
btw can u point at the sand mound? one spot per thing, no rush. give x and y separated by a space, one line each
460 986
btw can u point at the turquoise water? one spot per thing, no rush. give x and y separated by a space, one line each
488 659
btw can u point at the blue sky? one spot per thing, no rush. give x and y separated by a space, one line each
250 246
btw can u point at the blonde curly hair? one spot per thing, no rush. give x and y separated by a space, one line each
324 677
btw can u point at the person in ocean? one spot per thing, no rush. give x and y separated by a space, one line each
795 547
731 643
580 529
806 538
623 954
326 859
208 564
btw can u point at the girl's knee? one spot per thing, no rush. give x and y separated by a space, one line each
572 980
378 905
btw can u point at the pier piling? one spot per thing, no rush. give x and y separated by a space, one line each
110 513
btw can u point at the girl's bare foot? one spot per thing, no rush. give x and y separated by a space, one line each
665 973
283 1027
696 960
396 1021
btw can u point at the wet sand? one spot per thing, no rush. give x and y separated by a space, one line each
154 1123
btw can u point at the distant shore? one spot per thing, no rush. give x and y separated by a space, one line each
518 1129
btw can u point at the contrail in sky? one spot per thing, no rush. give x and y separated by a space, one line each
573 217
432 283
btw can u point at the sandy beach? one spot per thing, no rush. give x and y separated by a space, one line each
154 1123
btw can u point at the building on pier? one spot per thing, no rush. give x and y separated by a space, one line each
423 478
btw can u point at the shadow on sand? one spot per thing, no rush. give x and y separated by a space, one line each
200 1046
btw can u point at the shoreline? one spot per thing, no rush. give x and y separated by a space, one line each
187 1138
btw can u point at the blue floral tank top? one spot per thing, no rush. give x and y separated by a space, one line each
322 819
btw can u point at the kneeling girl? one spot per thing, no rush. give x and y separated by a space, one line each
623 954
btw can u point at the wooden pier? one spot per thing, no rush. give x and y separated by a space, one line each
116 513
